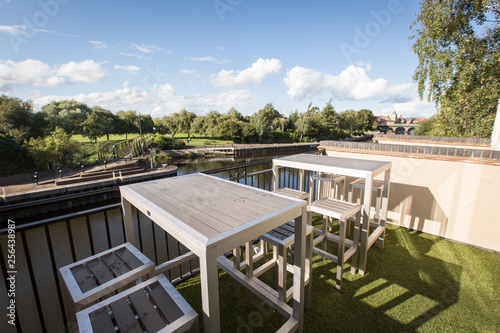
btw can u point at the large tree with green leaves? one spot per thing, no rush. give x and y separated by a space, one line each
16 118
68 115
458 47
100 122
184 119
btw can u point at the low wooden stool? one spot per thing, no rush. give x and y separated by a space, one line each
97 276
154 305
341 210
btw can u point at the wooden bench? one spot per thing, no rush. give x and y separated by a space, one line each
154 305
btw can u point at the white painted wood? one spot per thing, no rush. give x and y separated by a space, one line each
201 212
83 299
359 168
187 321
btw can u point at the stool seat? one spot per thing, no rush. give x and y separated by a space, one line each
89 279
154 304
293 193
360 184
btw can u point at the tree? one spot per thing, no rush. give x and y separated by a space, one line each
146 123
211 123
230 130
15 158
127 122
100 122
54 149
264 118
365 120
458 47
67 114
184 120
16 118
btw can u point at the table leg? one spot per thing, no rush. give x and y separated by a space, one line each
385 204
275 177
299 269
210 290
128 220
365 229
302 179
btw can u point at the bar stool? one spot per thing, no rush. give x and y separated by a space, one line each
98 276
329 186
94 277
378 187
341 210
154 304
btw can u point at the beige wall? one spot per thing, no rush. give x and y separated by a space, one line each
456 200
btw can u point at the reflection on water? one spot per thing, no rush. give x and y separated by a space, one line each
186 166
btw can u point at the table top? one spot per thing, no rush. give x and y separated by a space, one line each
330 164
205 210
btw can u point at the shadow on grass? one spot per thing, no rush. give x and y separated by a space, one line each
413 284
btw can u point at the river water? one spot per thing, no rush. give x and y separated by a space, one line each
186 166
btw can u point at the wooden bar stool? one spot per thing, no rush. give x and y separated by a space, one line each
378 187
329 186
154 305
94 277
341 210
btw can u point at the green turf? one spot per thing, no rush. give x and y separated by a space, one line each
417 283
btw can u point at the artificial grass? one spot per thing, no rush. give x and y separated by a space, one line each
417 283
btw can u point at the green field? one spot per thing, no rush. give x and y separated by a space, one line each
196 141
112 137
200 140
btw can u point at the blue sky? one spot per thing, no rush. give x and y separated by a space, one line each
158 57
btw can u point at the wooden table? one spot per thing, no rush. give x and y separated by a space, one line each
212 216
366 169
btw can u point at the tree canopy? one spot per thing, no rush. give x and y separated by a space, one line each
458 47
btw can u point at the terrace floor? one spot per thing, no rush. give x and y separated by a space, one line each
417 283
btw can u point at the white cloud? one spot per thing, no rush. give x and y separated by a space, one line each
131 69
28 32
98 45
256 74
3 2
145 48
160 100
351 84
133 55
192 72
87 71
412 108
13 29
37 73
209 59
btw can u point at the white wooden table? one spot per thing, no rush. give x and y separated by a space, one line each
211 216
366 169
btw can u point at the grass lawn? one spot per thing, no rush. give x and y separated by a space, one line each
112 137
417 283
200 140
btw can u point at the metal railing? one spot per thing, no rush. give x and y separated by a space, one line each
41 247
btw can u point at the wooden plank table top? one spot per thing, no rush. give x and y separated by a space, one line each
211 216
351 167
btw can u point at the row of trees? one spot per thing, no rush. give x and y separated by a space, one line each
269 125
43 139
